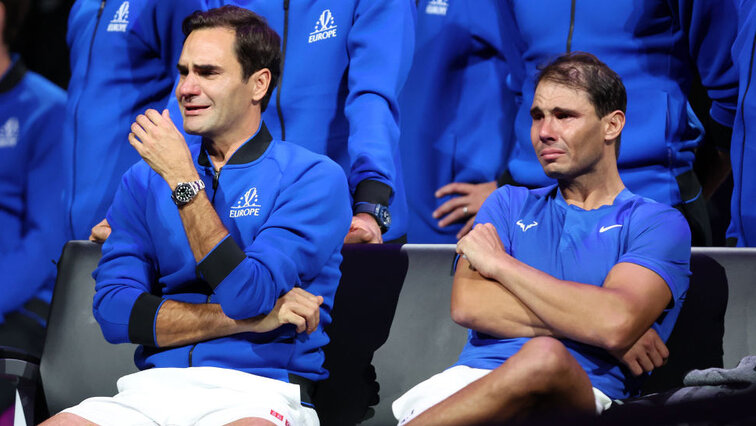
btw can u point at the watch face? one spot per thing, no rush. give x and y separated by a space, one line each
385 217
184 193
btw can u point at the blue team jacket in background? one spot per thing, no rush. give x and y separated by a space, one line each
456 109
286 210
743 147
655 46
123 61
31 186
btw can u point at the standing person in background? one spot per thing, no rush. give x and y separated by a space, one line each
123 61
456 116
344 63
31 196
656 47
742 230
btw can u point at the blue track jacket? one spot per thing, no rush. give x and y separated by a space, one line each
31 190
655 46
456 108
286 211
743 147
344 63
123 61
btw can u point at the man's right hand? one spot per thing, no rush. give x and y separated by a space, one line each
296 307
100 232
645 354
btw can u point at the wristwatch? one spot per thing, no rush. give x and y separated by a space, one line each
378 211
186 191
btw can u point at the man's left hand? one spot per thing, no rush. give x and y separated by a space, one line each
483 248
162 146
645 354
464 206
364 229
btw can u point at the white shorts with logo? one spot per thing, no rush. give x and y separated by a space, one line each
197 396
443 385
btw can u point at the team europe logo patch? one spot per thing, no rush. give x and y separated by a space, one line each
324 28
437 7
247 205
120 19
9 133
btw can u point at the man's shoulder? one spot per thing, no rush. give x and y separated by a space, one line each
295 160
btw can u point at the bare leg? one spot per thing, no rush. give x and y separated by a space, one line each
251 421
543 375
66 419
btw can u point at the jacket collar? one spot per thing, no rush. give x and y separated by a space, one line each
13 76
250 151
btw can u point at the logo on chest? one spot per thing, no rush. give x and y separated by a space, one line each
246 205
325 27
9 133
437 7
525 227
120 19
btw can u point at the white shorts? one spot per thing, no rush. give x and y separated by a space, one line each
443 385
197 396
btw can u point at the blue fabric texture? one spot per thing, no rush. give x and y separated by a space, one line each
655 47
286 212
123 61
540 229
344 65
743 145
456 108
31 190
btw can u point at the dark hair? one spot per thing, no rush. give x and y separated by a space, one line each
256 46
583 71
15 12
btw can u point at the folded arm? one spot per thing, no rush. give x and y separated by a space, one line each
628 303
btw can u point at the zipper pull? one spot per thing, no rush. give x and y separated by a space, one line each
216 178
102 7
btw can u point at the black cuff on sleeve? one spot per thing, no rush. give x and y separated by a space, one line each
221 261
719 134
142 319
372 191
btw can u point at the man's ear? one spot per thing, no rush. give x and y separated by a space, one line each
260 82
614 122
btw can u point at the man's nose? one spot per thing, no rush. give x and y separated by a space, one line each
547 131
187 86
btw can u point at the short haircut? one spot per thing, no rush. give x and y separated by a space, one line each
257 46
15 12
585 72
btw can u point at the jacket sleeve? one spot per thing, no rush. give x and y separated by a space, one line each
380 45
710 29
306 227
127 271
28 267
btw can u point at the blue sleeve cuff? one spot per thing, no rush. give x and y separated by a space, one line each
220 262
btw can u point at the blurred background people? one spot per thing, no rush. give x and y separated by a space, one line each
457 116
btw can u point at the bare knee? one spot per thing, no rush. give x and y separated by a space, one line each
546 357
66 419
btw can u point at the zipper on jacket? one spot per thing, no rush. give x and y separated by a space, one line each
216 180
191 351
280 76
742 116
76 115
572 27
